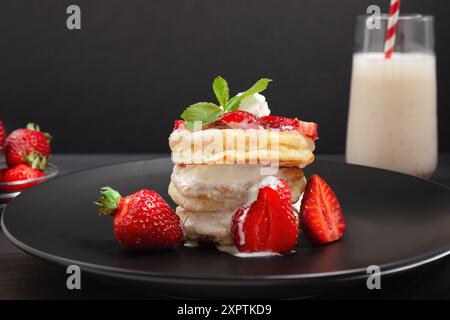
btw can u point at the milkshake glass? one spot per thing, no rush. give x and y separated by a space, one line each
392 122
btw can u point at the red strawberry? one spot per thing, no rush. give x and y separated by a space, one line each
308 129
269 224
240 119
142 221
2 172
179 124
2 136
321 218
28 146
17 174
282 123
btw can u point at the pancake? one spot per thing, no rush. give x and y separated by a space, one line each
237 146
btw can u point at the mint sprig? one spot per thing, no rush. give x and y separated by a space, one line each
221 90
208 112
259 86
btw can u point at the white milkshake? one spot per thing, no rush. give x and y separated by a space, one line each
392 120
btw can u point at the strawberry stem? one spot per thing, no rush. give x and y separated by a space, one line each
35 127
35 160
108 201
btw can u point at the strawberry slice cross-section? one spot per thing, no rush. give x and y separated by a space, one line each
321 217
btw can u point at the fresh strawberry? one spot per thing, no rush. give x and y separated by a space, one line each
2 172
308 129
269 224
28 146
2 136
321 218
179 124
240 119
282 123
19 173
142 221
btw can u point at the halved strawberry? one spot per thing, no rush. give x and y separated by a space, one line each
277 122
269 224
240 119
308 129
321 218
179 124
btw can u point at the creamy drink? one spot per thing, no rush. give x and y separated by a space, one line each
392 120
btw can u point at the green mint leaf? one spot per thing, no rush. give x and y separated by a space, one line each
233 104
221 90
191 125
260 85
206 112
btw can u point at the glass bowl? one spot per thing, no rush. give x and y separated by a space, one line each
10 190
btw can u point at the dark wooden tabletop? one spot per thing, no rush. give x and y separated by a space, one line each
25 277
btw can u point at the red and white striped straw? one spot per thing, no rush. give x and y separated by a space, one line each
389 43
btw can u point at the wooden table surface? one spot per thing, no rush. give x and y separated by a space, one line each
25 277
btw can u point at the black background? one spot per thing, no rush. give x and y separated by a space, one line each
118 84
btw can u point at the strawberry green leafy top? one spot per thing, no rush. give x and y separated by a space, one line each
208 112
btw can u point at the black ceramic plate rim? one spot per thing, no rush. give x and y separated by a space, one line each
386 269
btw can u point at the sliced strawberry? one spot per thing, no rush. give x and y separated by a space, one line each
308 129
321 218
240 119
269 224
280 186
282 123
179 124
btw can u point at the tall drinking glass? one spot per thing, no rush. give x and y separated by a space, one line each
392 122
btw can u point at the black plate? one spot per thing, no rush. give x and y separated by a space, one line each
394 221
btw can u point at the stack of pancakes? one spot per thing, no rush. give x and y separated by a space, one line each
210 184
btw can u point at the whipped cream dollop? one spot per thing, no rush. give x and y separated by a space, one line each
235 252
256 104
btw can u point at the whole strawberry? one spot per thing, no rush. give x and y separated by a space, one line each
142 221
19 173
2 136
28 146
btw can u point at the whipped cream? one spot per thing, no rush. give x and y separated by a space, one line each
218 181
241 222
235 252
256 104
270 181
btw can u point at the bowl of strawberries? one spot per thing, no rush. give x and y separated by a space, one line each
26 153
